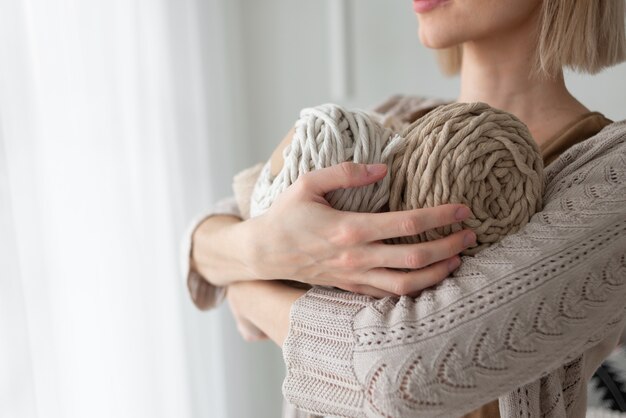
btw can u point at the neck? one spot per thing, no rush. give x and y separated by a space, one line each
491 74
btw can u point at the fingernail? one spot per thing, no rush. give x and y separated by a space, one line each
454 263
462 213
469 238
375 169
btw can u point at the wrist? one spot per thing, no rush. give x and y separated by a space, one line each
216 251
251 246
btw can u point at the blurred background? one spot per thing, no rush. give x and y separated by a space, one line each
122 119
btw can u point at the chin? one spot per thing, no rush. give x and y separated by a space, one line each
443 27
453 22
436 38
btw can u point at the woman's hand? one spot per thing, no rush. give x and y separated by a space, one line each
301 237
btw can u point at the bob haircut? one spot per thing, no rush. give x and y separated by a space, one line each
583 35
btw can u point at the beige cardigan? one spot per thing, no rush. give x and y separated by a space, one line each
527 320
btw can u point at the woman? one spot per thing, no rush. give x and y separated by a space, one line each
526 321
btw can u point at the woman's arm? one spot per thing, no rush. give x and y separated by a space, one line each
302 238
518 310
266 304
220 249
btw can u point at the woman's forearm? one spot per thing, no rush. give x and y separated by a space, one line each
532 303
266 304
219 250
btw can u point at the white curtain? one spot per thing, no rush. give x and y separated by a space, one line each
108 144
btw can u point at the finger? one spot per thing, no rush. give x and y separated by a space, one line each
341 176
416 256
406 283
378 226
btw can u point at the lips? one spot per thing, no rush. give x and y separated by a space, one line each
423 6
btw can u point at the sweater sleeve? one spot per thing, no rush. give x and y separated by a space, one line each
519 309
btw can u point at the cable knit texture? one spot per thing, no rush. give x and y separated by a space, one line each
528 319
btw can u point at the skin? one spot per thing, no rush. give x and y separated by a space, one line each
343 249
498 54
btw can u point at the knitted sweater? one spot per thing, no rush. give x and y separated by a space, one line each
527 320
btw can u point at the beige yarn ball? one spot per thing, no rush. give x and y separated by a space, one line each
473 154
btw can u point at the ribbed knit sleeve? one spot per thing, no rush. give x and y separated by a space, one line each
529 304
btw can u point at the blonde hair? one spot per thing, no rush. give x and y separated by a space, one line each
584 35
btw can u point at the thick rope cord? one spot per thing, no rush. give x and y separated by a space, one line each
327 135
464 153
473 154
